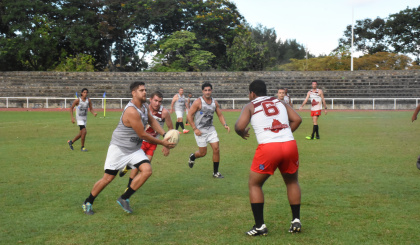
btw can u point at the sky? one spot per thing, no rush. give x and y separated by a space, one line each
316 24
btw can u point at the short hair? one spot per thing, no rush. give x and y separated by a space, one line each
281 89
156 93
258 87
206 84
314 82
83 89
135 85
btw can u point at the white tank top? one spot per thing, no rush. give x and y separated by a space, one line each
180 103
270 120
125 137
82 109
315 100
203 118
160 120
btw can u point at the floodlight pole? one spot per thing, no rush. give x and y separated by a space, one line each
352 37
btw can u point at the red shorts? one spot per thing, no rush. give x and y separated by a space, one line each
316 113
282 155
148 148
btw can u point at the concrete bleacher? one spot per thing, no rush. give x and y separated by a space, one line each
336 84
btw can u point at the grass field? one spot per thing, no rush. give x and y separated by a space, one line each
359 185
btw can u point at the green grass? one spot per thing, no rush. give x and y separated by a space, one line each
359 185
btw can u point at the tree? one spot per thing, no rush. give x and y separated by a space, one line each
399 33
245 54
215 24
369 36
29 35
180 52
340 61
403 28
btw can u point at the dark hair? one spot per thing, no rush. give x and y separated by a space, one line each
83 89
206 84
314 82
135 85
157 93
258 87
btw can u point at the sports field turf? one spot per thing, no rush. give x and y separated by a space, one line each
359 185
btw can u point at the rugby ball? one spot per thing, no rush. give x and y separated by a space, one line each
172 136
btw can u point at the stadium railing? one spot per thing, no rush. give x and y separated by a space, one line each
227 103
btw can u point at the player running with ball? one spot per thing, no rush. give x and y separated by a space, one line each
161 114
124 148
273 122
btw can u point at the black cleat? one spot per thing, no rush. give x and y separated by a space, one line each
70 144
218 175
190 162
296 226
262 231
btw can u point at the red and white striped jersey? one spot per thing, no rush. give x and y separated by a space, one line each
161 121
270 120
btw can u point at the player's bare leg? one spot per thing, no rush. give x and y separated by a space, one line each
77 137
202 151
145 171
134 172
256 198
83 133
101 184
294 196
216 160
97 188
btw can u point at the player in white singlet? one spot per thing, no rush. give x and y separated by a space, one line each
162 116
287 98
273 122
180 104
200 117
316 96
82 104
124 148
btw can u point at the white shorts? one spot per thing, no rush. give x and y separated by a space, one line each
81 122
203 139
117 159
179 114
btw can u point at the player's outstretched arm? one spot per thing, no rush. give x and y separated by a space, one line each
173 102
294 119
243 121
306 100
75 103
196 106
91 108
168 120
416 112
131 118
221 117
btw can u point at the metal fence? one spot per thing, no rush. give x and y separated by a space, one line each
226 103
